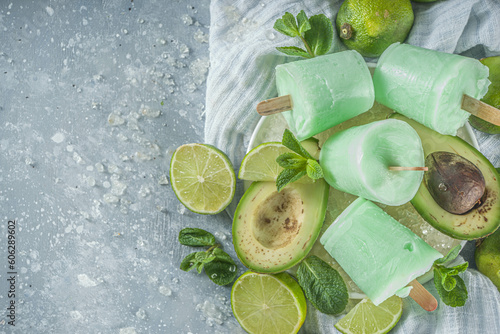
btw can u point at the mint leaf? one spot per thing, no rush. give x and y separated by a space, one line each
320 36
315 32
322 285
222 270
288 176
293 144
455 297
461 267
303 22
220 255
453 271
209 259
200 256
314 170
294 51
199 267
189 262
287 25
452 255
449 285
221 273
196 237
291 161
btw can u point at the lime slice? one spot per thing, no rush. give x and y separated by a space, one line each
202 178
365 317
264 303
260 163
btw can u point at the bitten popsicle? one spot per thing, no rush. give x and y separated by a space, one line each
379 254
432 87
321 92
357 161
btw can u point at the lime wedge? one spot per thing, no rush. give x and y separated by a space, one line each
264 303
202 178
365 317
260 163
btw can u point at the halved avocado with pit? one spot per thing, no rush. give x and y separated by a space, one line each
273 231
483 219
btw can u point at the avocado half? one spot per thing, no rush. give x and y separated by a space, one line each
273 231
479 222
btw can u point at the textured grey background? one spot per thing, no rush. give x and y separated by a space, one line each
94 97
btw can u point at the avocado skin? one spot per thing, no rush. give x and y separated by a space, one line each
492 97
480 221
487 257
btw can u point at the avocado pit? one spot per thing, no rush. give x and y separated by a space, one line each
455 183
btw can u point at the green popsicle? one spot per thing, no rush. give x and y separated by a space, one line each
428 86
379 254
357 161
325 91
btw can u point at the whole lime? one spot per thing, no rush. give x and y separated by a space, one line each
370 26
492 97
487 257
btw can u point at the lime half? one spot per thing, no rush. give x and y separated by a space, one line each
365 317
264 303
260 163
202 178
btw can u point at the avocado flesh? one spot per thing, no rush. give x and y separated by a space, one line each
274 231
480 221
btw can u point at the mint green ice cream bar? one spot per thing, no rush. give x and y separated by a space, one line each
378 253
325 91
357 161
428 85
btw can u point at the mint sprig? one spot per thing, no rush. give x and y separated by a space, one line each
296 164
315 32
449 285
218 265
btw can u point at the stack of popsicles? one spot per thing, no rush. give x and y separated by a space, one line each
379 254
426 85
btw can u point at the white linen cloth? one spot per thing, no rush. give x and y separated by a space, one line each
242 62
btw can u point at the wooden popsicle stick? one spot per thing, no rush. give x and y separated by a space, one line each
275 105
422 297
481 109
398 168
